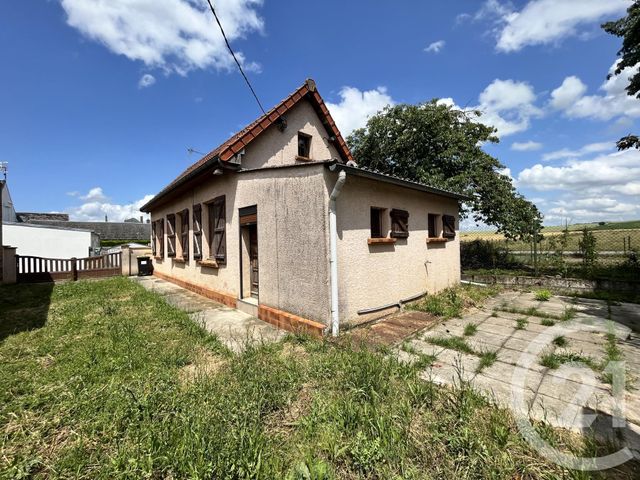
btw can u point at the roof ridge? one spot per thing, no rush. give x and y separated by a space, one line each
236 143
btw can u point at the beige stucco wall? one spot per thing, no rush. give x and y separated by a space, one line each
274 147
292 221
374 275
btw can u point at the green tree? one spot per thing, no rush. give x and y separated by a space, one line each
628 28
441 146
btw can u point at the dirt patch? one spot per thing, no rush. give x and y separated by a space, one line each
285 420
292 350
205 363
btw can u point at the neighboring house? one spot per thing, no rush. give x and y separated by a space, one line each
50 241
125 231
253 225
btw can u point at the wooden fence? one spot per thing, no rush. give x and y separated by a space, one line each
40 269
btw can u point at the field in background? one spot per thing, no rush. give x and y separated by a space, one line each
606 250
610 236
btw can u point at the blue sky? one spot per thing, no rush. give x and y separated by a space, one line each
101 99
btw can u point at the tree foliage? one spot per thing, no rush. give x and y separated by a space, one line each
441 146
628 28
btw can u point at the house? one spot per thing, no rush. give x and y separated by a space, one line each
278 221
48 235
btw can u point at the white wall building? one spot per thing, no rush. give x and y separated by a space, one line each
49 242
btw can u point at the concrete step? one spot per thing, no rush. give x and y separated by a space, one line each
248 305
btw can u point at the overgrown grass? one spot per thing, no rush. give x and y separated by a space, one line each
451 302
554 360
104 380
459 344
522 323
486 360
560 341
568 314
543 295
470 329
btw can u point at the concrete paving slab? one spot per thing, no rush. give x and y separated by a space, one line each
565 395
235 329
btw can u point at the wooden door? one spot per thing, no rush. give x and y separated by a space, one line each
253 258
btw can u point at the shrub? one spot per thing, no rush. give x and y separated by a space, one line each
486 254
543 295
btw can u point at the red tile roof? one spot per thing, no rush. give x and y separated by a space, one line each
240 140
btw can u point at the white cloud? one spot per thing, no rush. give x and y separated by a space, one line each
542 22
614 102
571 90
529 146
587 149
435 47
97 205
602 188
605 172
356 106
146 80
507 105
94 195
175 35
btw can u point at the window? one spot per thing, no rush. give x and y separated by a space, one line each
154 237
448 226
184 233
399 223
197 232
161 237
304 145
434 231
217 227
171 235
376 223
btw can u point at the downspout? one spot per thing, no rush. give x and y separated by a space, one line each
333 249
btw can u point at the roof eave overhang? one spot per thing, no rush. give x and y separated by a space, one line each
381 177
158 199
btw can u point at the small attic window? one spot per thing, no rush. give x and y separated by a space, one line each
304 145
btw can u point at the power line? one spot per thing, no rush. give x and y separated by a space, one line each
213 10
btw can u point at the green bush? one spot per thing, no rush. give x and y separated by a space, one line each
486 254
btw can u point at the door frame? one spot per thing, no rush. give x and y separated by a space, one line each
247 216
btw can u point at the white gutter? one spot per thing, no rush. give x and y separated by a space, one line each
333 248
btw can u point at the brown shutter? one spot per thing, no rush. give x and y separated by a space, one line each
220 237
448 226
197 231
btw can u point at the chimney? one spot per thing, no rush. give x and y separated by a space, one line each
141 220
106 219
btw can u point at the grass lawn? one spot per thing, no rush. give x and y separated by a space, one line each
105 380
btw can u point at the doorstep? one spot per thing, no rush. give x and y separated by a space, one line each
248 305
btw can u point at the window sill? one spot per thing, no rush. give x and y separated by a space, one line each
303 159
158 258
179 260
208 263
437 240
378 241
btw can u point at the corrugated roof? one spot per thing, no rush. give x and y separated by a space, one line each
403 182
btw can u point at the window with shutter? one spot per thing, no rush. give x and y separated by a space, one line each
154 237
217 230
160 227
376 223
399 223
184 233
171 235
434 231
448 226
197 232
